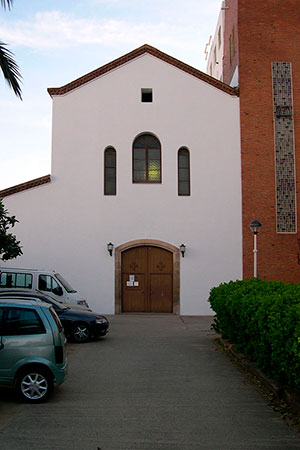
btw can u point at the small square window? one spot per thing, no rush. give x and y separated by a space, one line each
146 95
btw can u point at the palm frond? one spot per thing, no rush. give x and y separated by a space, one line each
7 3
10 69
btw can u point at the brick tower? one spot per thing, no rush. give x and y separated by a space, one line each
262 56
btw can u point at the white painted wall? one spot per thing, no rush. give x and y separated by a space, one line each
215 48
66 224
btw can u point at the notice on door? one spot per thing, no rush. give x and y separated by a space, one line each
131 282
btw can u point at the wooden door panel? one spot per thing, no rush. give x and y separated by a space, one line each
133 293
147 280
161 299
160 260
135 260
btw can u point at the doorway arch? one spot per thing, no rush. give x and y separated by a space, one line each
175 256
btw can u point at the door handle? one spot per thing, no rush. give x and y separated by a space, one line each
1 345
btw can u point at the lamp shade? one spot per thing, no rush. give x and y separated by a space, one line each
255 226
110 247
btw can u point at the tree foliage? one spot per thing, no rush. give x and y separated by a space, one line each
9 246
6 3
8 65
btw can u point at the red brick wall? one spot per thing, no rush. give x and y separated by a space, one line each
268 31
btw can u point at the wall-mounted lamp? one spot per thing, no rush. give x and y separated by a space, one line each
110 247
182 249
255 227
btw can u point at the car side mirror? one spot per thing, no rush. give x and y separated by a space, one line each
58 291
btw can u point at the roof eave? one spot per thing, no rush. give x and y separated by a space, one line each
135 54
25 186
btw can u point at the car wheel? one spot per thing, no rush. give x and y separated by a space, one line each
34 385
81 333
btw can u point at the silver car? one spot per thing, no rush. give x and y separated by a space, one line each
32 348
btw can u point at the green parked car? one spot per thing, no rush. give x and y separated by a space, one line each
32 348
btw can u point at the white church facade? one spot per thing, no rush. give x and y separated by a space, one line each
146 156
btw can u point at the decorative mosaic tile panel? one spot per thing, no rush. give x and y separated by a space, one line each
284 147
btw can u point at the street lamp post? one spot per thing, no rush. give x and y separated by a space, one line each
255 227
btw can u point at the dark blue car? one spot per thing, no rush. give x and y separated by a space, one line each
79 325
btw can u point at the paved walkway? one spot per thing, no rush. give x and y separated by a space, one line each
156 382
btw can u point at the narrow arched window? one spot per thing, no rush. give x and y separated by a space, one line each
184 172
110 167
146 157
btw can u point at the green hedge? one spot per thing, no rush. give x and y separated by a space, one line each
263 319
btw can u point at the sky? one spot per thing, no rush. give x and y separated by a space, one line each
56 41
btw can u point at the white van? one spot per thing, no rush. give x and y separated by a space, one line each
52 283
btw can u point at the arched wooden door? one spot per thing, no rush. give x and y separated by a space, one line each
147 280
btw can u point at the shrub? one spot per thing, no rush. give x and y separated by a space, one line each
263 319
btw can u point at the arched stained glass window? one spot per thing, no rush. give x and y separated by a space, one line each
110 167
184 172
146 157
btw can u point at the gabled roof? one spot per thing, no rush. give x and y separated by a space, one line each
135 54
24 186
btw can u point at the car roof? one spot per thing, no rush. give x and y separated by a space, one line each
20 269
27 293
22 301
24 291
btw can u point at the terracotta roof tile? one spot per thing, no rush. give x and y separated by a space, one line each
24 186
134 54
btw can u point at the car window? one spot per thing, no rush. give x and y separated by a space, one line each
47 283
1 315
55 285
13 280
21 321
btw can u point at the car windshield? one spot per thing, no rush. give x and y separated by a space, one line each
54 303
65 284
